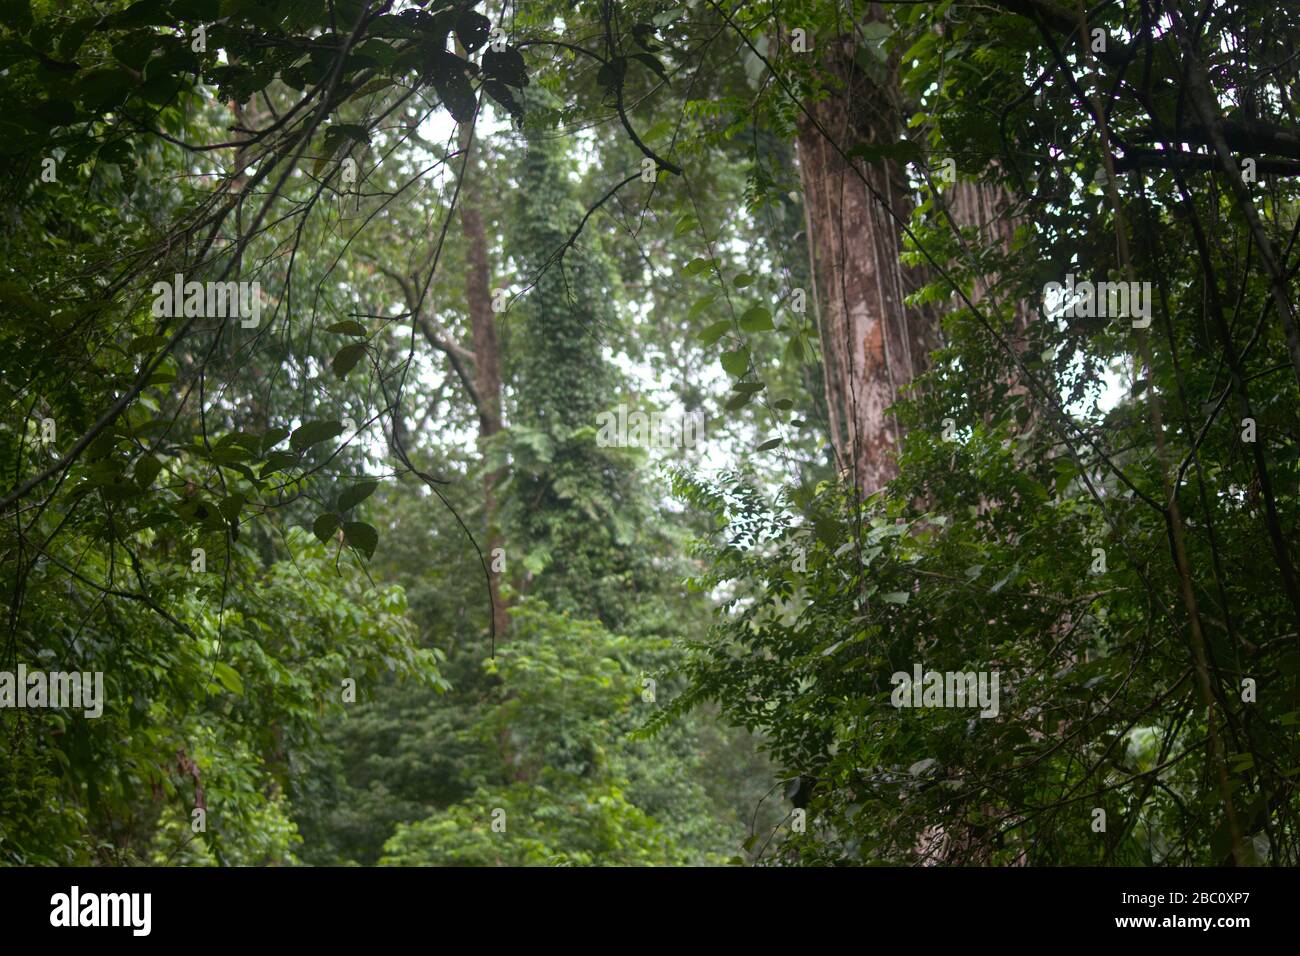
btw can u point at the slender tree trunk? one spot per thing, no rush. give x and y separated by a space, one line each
487 358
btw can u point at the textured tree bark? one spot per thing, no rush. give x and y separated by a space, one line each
487 357
872 345
988 208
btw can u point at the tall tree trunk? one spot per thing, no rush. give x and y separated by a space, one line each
487 358
988 208
872 345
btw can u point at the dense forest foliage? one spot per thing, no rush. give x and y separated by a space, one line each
649 432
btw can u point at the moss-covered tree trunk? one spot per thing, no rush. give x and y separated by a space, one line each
570 497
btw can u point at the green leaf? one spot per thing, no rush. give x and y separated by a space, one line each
457 95
701 304
736 363
769 444
896 597
146 470
653 63
876 30
357 494
506 67
324 526
827 531
348 327
273 437
231 506
313 433
1065 471
714 332
361 536
1003 583
279 461
472 29
757 319
248 441
742 280
347 357
501 93
696 266
228 677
